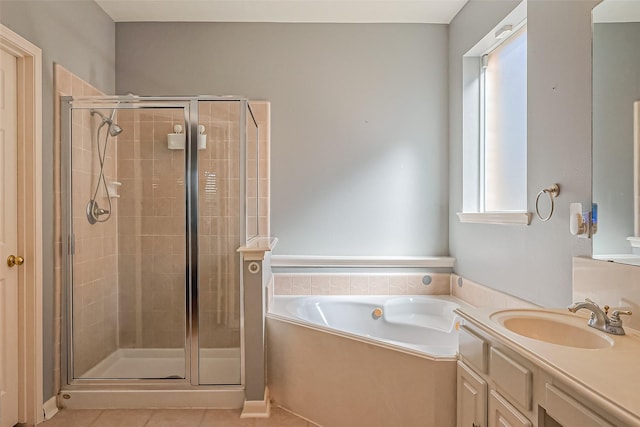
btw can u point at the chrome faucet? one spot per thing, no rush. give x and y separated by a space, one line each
599 318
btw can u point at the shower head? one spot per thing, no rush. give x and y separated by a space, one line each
114 129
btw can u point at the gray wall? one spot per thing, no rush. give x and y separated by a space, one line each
359 126
616 85
531 262
358 114
81 37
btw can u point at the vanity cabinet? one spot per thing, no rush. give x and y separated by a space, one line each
492 386
498 386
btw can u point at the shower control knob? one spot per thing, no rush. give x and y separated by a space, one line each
13 260
254 268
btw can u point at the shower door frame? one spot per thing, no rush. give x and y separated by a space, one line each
191 173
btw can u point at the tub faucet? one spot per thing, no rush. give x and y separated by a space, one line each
599 318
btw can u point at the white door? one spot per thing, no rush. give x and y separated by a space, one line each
8 243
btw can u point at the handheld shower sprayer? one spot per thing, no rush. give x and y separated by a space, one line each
94 212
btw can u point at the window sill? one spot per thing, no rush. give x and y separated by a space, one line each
501 218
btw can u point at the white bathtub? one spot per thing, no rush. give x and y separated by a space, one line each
425 324
332 361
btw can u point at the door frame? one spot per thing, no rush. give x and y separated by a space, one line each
30 382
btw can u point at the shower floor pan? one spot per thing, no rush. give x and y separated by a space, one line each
217 366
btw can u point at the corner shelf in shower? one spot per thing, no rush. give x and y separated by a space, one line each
113 189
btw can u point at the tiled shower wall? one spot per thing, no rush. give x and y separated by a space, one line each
151 230
95 285
151 227
260 181
129 272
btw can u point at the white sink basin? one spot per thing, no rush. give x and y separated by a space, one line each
552 327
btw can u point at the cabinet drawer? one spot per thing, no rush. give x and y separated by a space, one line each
569 412
501 413
473 349
512 378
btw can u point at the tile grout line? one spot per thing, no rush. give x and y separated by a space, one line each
204 413
96 418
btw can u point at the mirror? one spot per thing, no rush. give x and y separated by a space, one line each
616 86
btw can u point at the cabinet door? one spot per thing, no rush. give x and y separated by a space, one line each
502 414
472 398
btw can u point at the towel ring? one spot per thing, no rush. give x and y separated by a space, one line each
553 192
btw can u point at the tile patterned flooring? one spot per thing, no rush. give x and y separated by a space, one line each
171 418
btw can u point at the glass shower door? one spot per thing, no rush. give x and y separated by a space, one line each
219 236
128 289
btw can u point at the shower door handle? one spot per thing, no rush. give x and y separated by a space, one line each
13 260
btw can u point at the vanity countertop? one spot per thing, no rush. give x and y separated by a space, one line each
609 376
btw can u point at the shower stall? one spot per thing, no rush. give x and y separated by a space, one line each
158 194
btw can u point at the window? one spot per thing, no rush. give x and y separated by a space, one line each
495 125
503 141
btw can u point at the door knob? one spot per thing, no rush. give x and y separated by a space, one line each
14 260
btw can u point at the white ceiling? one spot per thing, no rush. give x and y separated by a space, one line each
617 11
340 11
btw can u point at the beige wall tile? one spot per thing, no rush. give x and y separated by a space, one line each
320 285
147 230
379 285
398 284
428 284
95 284
283 284
482 296
340 284
365 284
359 284
300 284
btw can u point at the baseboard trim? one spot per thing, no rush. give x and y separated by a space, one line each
227 398
257 408
50 408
